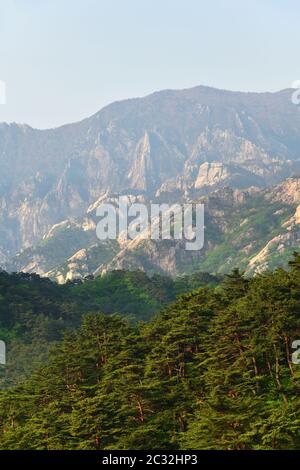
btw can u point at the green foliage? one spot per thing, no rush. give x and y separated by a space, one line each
212 370
249 226
35 312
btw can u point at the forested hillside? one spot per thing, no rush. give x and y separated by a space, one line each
211 371
35 312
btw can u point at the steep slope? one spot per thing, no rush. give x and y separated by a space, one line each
199 138
251 229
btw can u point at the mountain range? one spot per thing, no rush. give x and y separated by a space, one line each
238 153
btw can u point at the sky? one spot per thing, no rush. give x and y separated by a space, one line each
63 60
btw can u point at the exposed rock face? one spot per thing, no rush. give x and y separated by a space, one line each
171 144
245 228
288 191
214 174
211 174
155 161
297 215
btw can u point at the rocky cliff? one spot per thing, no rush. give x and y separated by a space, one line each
170 145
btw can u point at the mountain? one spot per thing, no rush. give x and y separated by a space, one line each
252 229
171 145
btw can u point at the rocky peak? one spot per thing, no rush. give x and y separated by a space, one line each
288 191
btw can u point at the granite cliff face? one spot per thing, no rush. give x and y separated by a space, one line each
254 229
170 145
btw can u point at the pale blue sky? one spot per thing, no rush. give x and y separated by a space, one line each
62 60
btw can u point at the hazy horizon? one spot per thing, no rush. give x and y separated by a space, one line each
63 61
74 121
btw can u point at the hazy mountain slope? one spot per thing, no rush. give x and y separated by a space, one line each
150 144
247 229
251 229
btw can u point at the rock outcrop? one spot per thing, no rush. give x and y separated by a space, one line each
166 146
